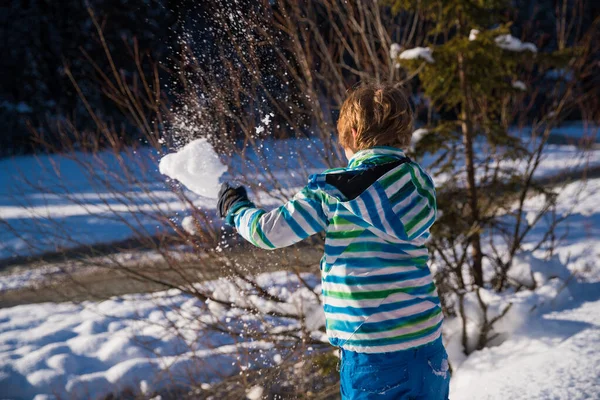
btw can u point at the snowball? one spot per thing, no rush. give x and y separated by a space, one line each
417 52
197 166
394 50
519 85
511 43
418 135
473 34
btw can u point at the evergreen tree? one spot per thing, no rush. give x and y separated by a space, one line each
472 71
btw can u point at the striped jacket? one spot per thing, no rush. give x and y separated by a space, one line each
378 292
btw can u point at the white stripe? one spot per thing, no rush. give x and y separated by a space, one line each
307 205
299 219
363 210
345 288
384 315
357 303
399 184
340 242
277 230
406 218
372 271
397 207
396 347
419 173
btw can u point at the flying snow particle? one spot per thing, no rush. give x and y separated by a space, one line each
418 52
267 119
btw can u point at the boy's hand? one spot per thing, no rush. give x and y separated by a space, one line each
228 196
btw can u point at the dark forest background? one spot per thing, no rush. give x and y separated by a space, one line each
42 40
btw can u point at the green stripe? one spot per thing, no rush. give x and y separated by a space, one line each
392 340
338 220
403 193
391 179
255 228
423 192
345 234
414 321
375 294
417 218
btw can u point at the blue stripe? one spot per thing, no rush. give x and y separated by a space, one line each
413 203
301 233
387 325
391 217
403 193
334 250
314 225
355 208
372 210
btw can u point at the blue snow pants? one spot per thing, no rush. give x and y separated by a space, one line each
416 374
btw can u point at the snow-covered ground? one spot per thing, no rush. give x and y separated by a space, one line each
142 342
551 346
556 356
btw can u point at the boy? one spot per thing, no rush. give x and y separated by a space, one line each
381 305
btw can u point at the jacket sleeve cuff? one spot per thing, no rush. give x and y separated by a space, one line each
235 209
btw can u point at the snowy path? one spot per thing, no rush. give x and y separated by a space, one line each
559 358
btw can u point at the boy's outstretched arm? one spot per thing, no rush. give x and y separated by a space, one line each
294 221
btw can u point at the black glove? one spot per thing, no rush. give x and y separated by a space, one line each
228 196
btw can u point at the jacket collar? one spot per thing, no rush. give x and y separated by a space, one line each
375 156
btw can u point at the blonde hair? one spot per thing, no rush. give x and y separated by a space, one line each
379 113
